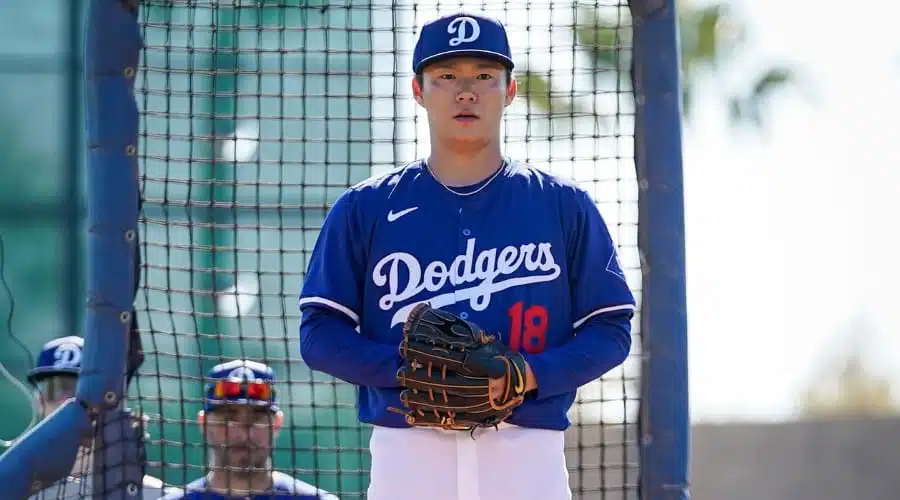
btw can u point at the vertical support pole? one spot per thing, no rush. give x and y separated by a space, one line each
112 47
665 420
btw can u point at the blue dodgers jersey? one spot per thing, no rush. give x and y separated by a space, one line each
528 258
284 487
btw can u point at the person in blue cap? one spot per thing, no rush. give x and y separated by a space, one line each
241 420
55 376
518 251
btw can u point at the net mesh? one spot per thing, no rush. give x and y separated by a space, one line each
256 115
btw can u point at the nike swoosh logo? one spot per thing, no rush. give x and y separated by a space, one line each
520 383
392 216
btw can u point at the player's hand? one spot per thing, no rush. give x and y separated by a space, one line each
497 386
141 421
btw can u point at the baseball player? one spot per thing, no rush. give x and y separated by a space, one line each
56 375
494 241
241 420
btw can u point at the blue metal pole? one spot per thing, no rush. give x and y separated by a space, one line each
46 453
665 420
112 47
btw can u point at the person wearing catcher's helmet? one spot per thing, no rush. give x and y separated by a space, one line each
520 252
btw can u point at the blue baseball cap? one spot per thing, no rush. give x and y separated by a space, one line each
462 34
60 356
241 382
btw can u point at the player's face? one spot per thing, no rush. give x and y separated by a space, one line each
465 98
241 436
54 391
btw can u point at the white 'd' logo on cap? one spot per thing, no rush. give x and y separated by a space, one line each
466 30
67 356
243 373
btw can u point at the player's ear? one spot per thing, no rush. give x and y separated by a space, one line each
417 91
201 420
37 399
511 90
278 420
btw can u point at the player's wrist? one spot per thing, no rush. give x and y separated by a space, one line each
530 380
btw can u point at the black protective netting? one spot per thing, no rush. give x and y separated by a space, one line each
256 115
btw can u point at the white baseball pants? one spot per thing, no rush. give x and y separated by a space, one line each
511 463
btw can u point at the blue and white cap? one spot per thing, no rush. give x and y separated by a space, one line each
233 383
60 356
462 34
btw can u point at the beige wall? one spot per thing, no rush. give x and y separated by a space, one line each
833 460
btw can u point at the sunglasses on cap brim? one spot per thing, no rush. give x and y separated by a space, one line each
254 390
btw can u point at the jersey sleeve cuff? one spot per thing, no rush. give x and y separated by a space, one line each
322 301
602 310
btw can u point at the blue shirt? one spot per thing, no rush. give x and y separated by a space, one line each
527 257
284 487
